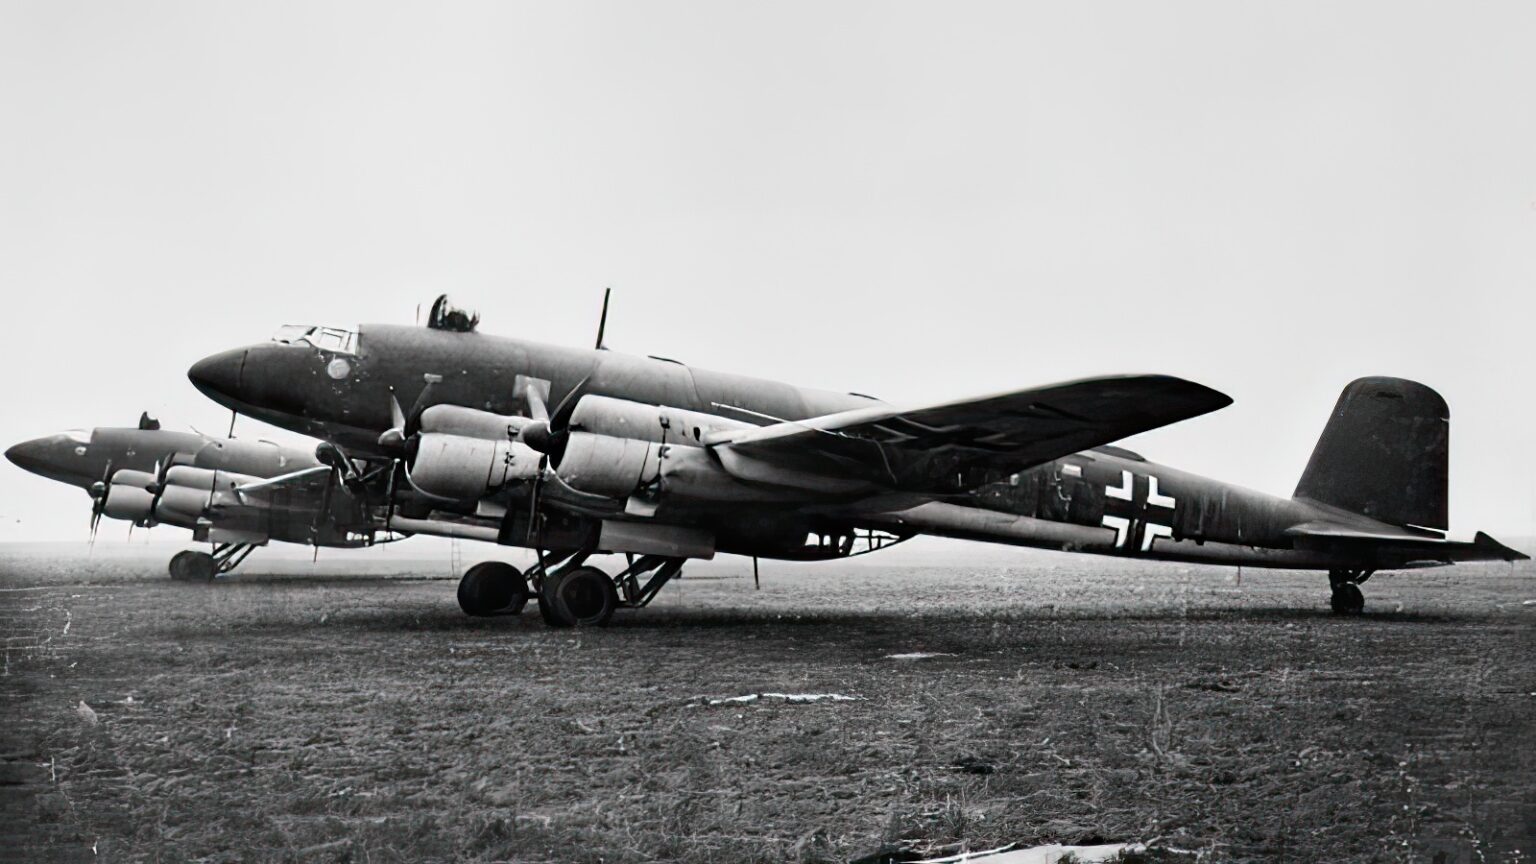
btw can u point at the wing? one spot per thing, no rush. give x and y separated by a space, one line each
958 446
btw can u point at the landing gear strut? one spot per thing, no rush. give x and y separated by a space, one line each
1347 599
193 566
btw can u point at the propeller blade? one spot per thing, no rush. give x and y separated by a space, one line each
535 526
324 512
561 419
422 403
537 410
396 416
389 512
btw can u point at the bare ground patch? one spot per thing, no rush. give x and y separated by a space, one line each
319 717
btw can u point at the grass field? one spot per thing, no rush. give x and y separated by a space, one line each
350 712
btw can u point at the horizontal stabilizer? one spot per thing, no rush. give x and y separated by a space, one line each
957 446
1432 545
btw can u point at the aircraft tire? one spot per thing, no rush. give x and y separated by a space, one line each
492 588
178 565
582 597
198 566
1347 599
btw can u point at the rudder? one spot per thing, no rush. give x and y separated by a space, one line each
1385 453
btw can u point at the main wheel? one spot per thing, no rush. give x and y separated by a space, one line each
582 597
197 566
1347 599
492 588
178 565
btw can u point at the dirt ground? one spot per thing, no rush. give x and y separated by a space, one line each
350 712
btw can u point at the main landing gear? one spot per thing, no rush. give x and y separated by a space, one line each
1347 599
194 566
569 593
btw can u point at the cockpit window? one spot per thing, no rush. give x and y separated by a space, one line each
333 339
79 436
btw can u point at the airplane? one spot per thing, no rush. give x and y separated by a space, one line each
235 494
650 457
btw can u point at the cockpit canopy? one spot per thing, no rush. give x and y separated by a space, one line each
333 339
446 316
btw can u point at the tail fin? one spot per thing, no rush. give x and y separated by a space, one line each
1384 454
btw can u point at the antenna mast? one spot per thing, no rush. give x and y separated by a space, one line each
602 323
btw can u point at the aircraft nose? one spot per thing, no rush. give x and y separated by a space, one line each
51 456
28 455
219 375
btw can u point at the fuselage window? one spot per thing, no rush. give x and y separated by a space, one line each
333 339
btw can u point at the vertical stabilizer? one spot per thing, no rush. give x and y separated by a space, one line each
1385 453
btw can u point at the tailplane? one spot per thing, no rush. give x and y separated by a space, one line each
1385 453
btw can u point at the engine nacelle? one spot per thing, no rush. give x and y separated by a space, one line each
621 418
618 448
465 468
471 422
622 467
189 477
181 506
129 496
189 492
606 465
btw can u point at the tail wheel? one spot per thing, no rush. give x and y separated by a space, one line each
581 597
492 588
1347 599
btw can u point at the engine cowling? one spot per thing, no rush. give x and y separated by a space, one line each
618 448
471 422
623 467
465 468
187 493
129 496
606 465
621 418
181 506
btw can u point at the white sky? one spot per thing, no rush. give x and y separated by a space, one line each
916 201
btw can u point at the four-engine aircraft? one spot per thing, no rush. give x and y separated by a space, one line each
233 494
574 452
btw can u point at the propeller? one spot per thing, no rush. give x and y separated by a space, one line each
99 491
404 426
324 513
549 433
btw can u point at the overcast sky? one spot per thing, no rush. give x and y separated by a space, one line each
916 201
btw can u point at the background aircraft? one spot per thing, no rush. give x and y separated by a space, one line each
236 494
220 488
650 457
